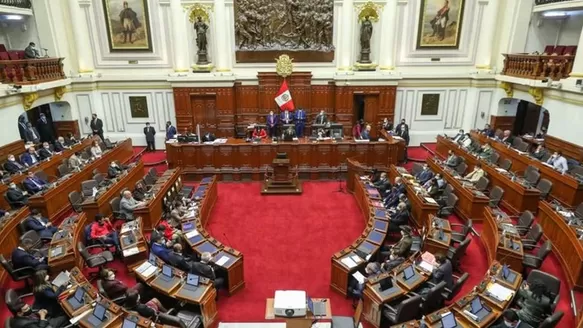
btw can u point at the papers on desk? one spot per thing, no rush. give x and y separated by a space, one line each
566 214
426 266
127 228
146 269
62 279
222 260
397 137
191 214
130 251
428 257
191 234
57 251
356 259
499 292
359 277
430 200
363 177
500 170
348 262
76 319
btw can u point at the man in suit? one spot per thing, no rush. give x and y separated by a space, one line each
510 320
45 152
128 204
34 184
540 152
392 198
21 257
97 126
113 170
139 191
559 162
39 224
300 122
31 134
401 248
287 117
45 128
382 184
150 134
12 166
452 160
387 125
486 152
365 135
321 118
402 130
24 317
16 197
271 124
459 136
443 271
177 260
393 261
75 162
103 230
60 145
30 51
22 127
399 218
31 157
403 126
170 131
159 248
488 131
474 176
425 175
507 138
205 269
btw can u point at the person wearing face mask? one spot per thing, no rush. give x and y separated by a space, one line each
149 310
16 197
452 160
34 184
114 170
22 127
399 219
24 317
45 152
177 260
559 162
12 166
177 214
540 152
206 269
425 175
392 198
39 224
510 320
128 204
46 296
45 129
115 288
394 261
103 229
475 176
70 140
60 145
30 158
383 185
486 152
387 125
170 131
534 301
401 248
31 134
459 136
402 130
96 151
97 126
22 257
75 162
355 288
488 131
321 118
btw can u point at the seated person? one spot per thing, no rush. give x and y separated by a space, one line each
559 162
16 196
159 248
425 175
476 174
507 138
510 320
96 151
459 137
534 302
452 160
12 166
357 129
46 296
440 181
22 257
103 229
392 198
433 189
39 224
179 213
71 140
468 143
205 269
355 288
128 204
149 310
383 185
540 152
393 261
289 133
488 131
31 134
113 170
76 162
542 134
486 152
399 218
365 134
140 191
60 145
177 260
4 213
116 288
387 125
34 184
31 157
208 137
401 248
259 132
443 271
24 317
45 152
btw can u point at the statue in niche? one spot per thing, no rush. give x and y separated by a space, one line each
201 42
365 35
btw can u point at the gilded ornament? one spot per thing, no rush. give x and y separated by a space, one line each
507 86
28 99
370 10
199 10
59 92
537 94
284 65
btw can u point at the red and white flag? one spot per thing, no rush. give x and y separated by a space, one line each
284 98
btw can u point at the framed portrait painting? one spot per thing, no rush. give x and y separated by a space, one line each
139 106
128 27
440 24
430 104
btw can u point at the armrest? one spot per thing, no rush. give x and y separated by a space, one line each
102 245
96 256
119 300
23 269
170 311
390 308
456 225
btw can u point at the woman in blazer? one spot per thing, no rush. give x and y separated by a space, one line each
96 151
46 295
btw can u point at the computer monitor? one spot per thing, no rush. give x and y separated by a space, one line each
127 323
99 311
448 321
476 305
152 259
505 271
408 272
79 294
376 237
441 234
386 283
167 271
187 226
192 280
511 243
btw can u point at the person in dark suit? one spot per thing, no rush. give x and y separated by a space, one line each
45 152
170 131
452 160
300 119
321 118
286 117
34 184
510 320
160 249
443 271
31 157
540 152
459 136
31 134
46 296
177 260
140 191
402 130
45 128
97 126
113 170
355 288
21 257
150 134
401 248
488 131
425 175
208 137
271 124
392 198
12 166
71 140
399 218
433 189
24 317
39 224
393 261
60 145
365 134
205 269
115 288
383 185
15 196
149 310
534 302
22 127
387 125
507 138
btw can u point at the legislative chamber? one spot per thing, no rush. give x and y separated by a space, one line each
291 163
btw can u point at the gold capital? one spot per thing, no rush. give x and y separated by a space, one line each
28 99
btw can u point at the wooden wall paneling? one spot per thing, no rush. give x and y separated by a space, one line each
225 112
62 128
569 149
247 105
15 148
502 122
268 87
184 119
386 105
344 103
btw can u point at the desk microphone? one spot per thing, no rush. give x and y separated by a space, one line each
227 238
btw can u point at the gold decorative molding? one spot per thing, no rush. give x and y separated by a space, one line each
507 86
223 70
386 68
537 94
483 67
284 65
60 92
181 70
369 9
199 10
28 99
85 71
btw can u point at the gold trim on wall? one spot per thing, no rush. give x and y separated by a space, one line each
28 99
508 88
537 94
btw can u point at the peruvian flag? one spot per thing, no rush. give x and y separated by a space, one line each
283 98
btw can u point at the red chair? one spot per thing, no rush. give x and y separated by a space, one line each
13 55
20 54
549 50
4 56
559 50
570 51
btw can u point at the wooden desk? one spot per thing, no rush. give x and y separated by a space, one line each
471 202
50 167
92 206
433 244
517 198
298 322
166 187
239 160
10 235
355 168
498 246
133 243
55 202
566 246
566 189
72 228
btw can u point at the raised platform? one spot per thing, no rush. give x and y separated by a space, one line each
271 187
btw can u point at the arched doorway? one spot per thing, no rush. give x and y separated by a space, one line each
521 117
59 119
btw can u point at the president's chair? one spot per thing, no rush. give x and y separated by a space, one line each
348 322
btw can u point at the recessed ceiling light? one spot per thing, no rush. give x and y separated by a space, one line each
555 14
13 17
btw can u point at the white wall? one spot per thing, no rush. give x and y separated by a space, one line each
18 34
507 107
552 30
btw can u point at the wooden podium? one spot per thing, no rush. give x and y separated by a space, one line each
298 322
281 181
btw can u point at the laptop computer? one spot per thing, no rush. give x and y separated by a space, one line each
77 300
386 283
167 271
192 281
448 321
152 259
127 323
409 272
317 308
96 318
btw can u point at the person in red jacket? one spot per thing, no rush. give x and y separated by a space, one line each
103 229
259 133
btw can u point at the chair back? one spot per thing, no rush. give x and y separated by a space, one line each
357 314
99 178
461 168
467 227
579 211
452 200
95 171
153 173
482 184
505 164
409 309
494 157
544 250
448 189
75 199
148 180
108 143
416 169
85 155
42 175
34 237
523 146
552 283
460 251
87 187
552 321
526 219
496 195
22 226
434 298
63 169
83 251
531 176
457 285
546 157
535 233
101 289
577 171
11 298
544 186
114 204
516 142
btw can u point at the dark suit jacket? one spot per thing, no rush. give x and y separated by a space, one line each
170 132
27 159
424 176
539 155
22 130
29 322
501 324
59 147
204 270
444 273
150 132
321 119
161 251
489 132
178 261
508 140
33 224
207 137
21 259
31 187
29 137
113 172
384 186
139 195
16 196
45 130
48 299
12 167
391 264
45 153
97 125
403 246
400 218
114 288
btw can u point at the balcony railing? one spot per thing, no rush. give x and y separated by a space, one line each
544 2
16 3
31 71
537 67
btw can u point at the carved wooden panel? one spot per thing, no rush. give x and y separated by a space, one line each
502 122
62 128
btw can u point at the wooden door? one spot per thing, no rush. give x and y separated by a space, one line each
204 111
531 119
371 109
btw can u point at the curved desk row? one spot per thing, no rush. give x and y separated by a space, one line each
63 253
10 235
500 246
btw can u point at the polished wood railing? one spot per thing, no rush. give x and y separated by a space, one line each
537 66
16 3
31 71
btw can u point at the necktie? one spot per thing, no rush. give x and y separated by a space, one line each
41 222
36 184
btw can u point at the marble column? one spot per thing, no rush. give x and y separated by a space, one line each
222 59
80 29
389 31
346 37
484 55
178 17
